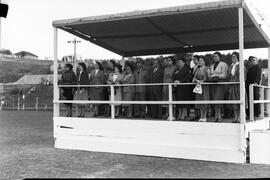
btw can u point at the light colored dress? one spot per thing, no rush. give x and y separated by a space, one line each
116 78
234 89
202 74
217 91
168 78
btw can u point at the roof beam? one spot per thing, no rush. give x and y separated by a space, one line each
255 22
171 33
214 47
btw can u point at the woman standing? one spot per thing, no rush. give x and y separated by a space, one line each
201 75
68 78
218 74
129 91
234 91
81 94
96 93
117 78
182 92
168 78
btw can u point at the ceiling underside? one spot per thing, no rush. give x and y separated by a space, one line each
163 32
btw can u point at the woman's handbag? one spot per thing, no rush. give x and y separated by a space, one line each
198 89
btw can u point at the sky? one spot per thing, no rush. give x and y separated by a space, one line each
28 25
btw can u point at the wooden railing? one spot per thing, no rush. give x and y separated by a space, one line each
262 101
170 102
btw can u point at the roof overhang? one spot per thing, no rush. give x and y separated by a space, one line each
191 28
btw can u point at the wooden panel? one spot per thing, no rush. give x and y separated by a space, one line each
191 140
150 126
208 154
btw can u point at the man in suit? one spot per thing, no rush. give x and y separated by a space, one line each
140 92
254 74
156 76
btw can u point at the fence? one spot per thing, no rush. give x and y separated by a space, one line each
27 97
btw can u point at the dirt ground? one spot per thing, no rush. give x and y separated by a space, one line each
26 151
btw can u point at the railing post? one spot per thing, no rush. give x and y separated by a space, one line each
18 105
170 105
112 102
251 102
262 104
268 84
1 105
36 105
56 106
267 98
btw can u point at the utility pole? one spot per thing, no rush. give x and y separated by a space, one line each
74 56
0 31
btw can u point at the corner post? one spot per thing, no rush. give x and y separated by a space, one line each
242 80
55 76
170 101
268 84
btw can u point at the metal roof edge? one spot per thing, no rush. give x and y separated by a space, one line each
246 8
141 13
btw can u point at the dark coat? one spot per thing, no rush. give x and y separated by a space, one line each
141 78
182 92
254 75
83 79
96 93
156 77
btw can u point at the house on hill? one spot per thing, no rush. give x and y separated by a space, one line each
5 53
26 55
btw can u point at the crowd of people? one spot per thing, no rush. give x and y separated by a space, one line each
171 69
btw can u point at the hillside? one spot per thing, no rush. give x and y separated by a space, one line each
12 69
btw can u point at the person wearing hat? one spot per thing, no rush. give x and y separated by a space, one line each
81 93
68 78
156 76
128 91
107 71
115 79
96 93
140 91
168 78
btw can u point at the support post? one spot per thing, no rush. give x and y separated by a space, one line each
251 102
36 103
268 84
55 76
112 102
262 104
242 80
170 105
75 59
18 105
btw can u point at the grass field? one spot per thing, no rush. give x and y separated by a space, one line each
26 151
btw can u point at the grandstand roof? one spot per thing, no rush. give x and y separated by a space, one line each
189 28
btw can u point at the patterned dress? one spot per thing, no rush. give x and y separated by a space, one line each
202 74
168 78
234 90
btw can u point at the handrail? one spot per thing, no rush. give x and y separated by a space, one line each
150 102
149 84
257 85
